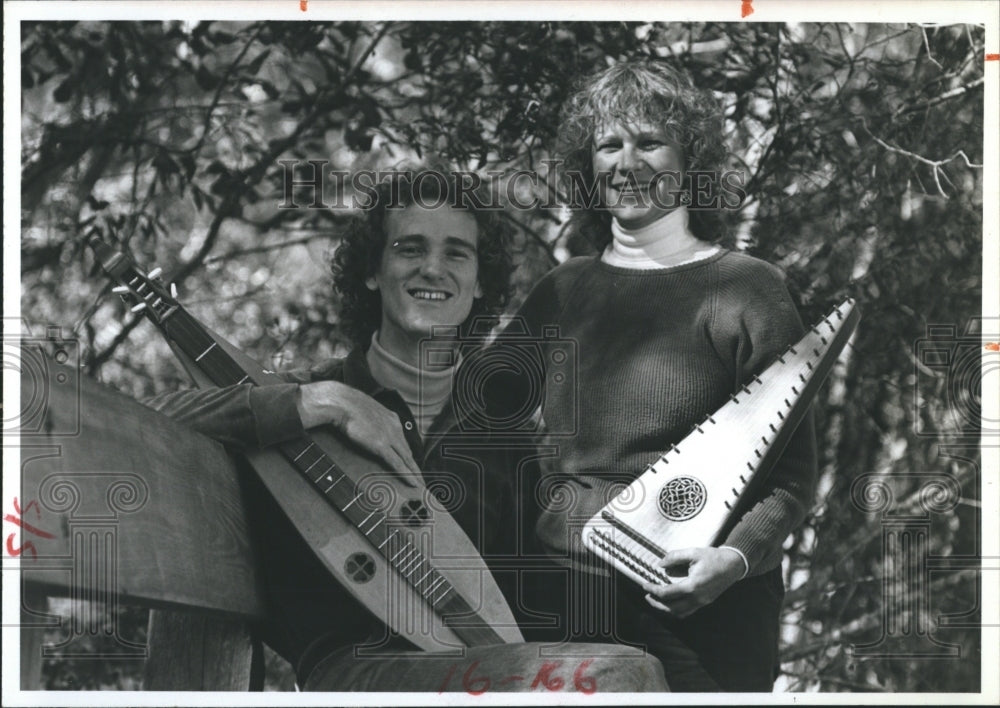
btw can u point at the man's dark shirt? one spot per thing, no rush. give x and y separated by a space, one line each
308 613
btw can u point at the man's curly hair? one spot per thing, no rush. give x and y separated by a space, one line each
646 91
363 241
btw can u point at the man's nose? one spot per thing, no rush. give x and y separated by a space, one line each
432 265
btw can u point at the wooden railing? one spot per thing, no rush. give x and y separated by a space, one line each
121 505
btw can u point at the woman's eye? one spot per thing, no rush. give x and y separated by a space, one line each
651 144
409 251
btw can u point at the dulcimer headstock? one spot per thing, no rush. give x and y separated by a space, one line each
143 292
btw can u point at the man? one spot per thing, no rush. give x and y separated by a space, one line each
418 259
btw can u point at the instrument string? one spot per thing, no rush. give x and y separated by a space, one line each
774 402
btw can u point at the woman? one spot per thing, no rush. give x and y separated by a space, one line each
419 257
667 324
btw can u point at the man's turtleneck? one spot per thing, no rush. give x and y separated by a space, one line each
425 391
664 243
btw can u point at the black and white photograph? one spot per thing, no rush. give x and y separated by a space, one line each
506 353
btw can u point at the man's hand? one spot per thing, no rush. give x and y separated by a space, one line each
709 572
361 418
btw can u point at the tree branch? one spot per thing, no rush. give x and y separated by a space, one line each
263 249
206 124
95 361
946 96
254 174
936 165
534 235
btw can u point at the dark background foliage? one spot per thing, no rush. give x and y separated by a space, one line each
861 147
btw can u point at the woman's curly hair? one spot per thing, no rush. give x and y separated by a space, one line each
363 241
645 91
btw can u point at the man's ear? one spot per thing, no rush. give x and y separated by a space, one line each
371 283
479 290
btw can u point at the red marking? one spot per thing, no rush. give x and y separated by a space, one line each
29 546
992 346
468 682
303 5
32 503
993 57
478 685
27 527
584 684
746 8
545 678
447 679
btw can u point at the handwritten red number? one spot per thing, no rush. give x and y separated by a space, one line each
27 527
32 503
447 679
545 677
584 684
468 682
29 546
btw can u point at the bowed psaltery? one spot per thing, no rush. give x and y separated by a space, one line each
693 494
408 562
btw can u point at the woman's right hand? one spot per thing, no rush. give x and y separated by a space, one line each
362 419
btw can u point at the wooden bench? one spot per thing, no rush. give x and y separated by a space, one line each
133 508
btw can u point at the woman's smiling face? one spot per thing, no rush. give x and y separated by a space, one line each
638 168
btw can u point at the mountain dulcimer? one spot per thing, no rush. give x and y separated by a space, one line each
693 494
390 544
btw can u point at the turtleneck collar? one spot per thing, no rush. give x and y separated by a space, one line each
665 242
425 391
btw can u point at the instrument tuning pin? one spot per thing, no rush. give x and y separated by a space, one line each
173 290
140 307
120 289
155 273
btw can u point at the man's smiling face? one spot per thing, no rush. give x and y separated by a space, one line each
429 272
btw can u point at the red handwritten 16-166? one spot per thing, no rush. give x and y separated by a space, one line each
546 678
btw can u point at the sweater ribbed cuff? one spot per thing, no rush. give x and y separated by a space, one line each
746 563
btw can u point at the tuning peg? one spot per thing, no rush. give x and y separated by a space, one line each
120 289
155 273
173 290
140 307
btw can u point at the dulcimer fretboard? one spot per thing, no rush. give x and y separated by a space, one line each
391 541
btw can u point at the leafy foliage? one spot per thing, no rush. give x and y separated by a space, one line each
861 151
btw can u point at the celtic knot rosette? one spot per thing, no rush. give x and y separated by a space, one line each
682 498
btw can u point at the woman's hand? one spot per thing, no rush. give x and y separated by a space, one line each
709 572
362 419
